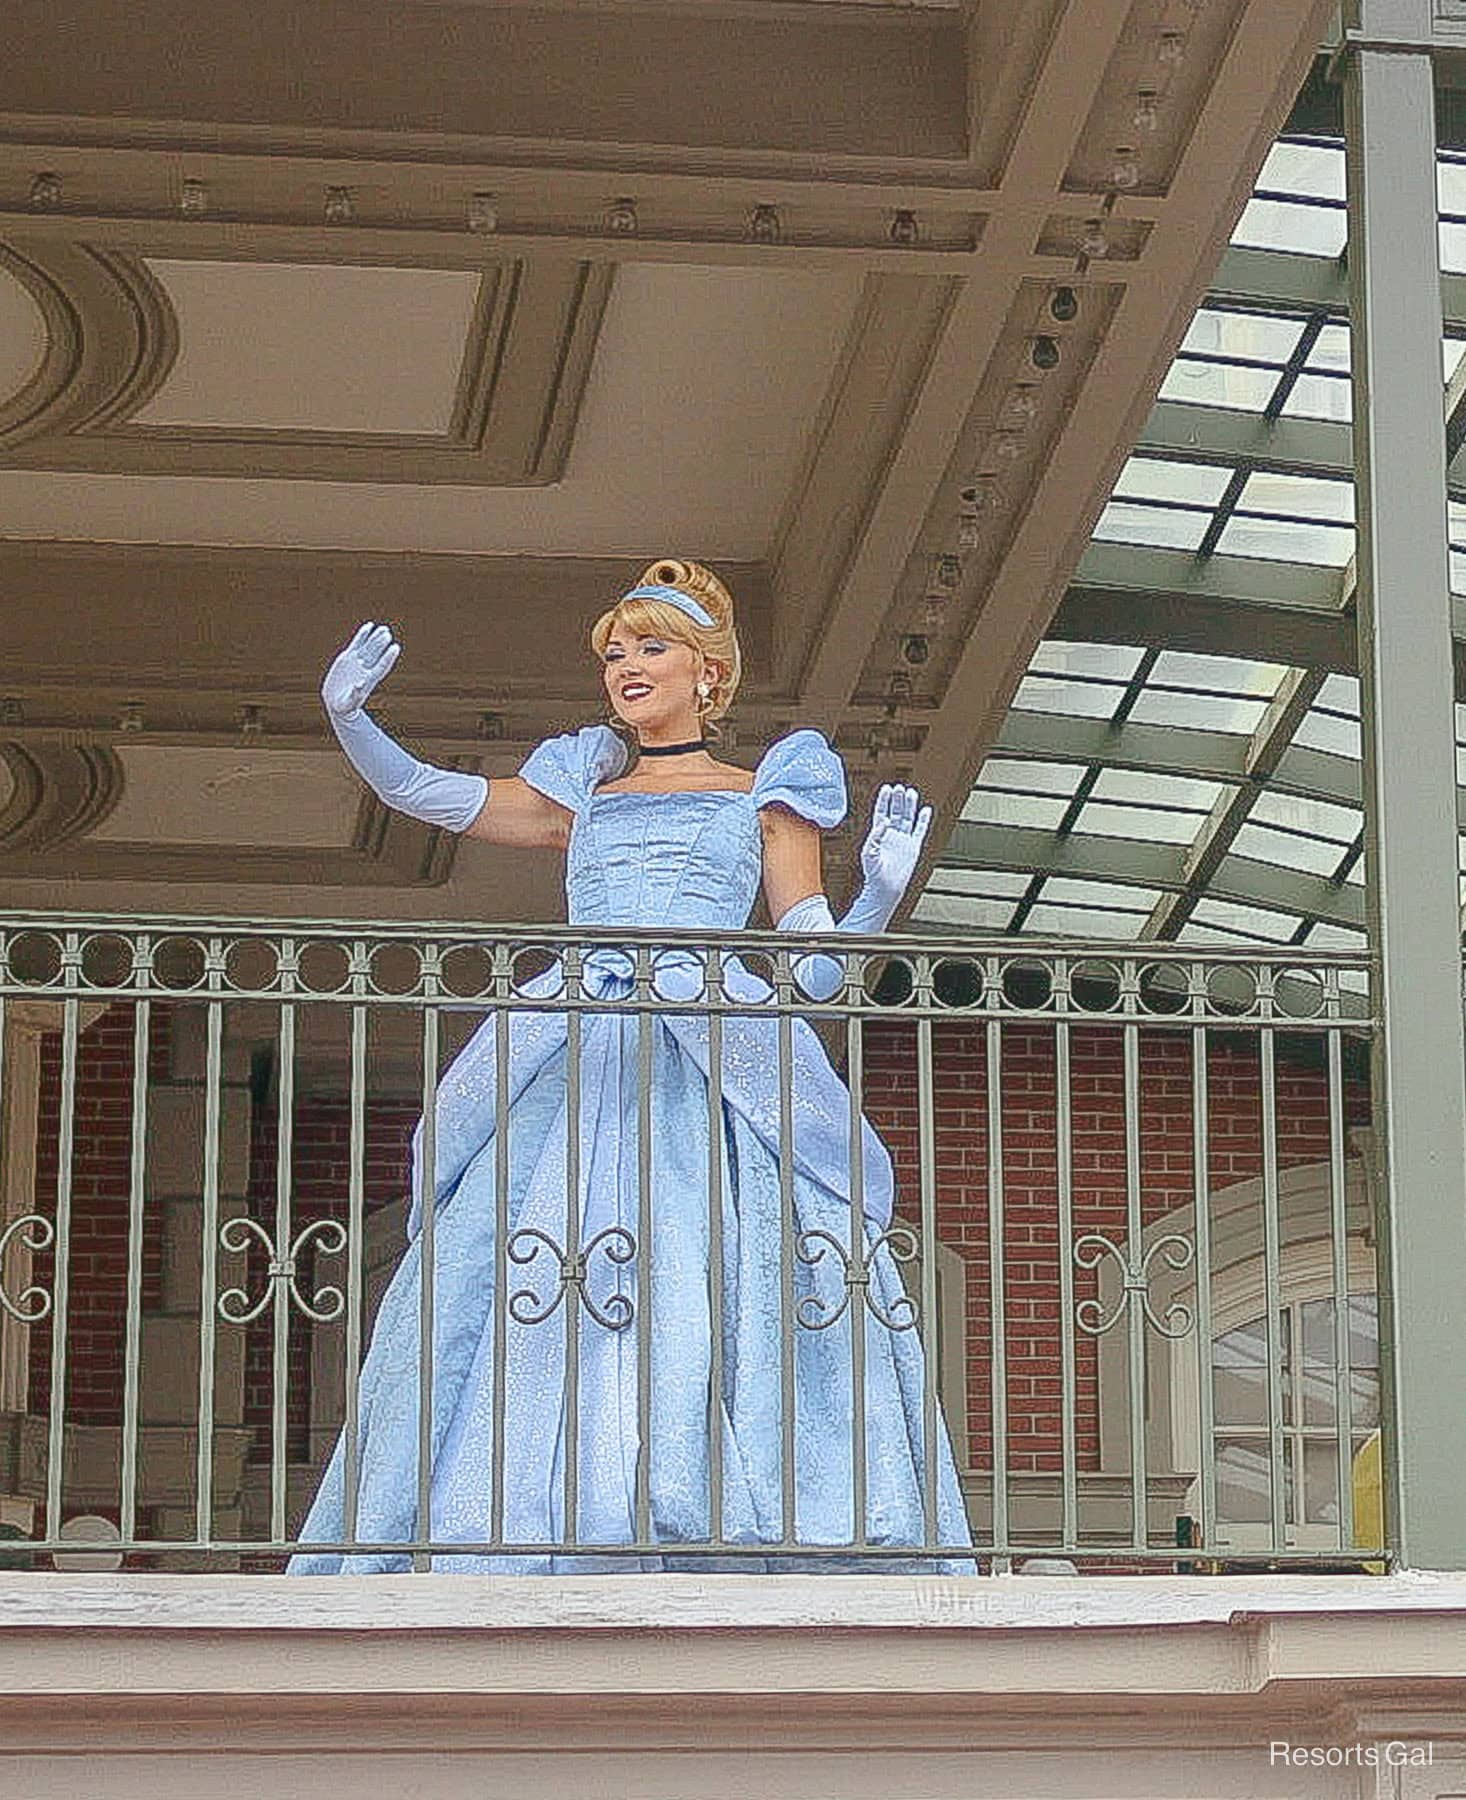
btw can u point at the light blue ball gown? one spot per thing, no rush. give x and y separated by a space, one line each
688 860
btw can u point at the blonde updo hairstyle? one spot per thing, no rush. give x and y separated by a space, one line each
656 618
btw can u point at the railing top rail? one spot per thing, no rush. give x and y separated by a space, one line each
520 935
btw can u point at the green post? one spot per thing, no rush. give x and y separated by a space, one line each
1405 660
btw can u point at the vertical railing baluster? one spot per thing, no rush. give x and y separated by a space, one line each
785 1061
1068 1373
61 1279
716 1273
997 1298
209 1273
1201 1188
1343 1349
1273 1282
1134 1314
422 1561
855 1078
132 1324
355 1229
643 1250
573 1248
501 1241
927 1185
280 1300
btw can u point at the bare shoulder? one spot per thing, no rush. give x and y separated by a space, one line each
742 779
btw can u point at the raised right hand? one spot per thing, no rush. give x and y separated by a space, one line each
358 668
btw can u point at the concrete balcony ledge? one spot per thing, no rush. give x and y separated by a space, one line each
610 1634
661 1604
202 1687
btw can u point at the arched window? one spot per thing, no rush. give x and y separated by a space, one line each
1306 1281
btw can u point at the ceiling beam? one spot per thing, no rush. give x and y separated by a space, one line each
1085 38
1228 435
1283 278
1089 857
796 81
1274 733
1225 148
1294 613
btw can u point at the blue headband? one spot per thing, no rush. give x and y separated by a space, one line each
674 597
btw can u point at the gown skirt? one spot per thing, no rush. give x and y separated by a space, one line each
783 1314
677 1328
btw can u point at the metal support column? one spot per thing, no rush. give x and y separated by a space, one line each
1409 771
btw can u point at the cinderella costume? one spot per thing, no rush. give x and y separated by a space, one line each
688 859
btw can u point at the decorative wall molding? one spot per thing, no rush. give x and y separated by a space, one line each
60 792
114 339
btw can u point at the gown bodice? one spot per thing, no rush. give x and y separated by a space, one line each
691 860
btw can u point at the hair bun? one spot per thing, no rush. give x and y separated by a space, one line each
692 578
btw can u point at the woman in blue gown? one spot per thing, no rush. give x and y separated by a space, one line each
683 841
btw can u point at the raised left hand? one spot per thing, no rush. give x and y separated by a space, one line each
892 846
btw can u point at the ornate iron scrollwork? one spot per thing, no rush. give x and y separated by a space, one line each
1175 1251
525 1306
36 1233
326 1304
815 1315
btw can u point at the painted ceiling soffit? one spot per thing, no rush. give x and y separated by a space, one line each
1070 162
61 791
113 339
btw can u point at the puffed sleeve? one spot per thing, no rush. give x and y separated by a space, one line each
570 767
802 772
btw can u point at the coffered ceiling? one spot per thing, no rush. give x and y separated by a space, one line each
457 313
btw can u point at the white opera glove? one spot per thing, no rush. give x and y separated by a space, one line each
888 858
447 797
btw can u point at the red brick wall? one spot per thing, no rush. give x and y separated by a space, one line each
101 1177
1030 1180
320 1176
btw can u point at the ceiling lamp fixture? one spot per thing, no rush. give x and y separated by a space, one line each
904 229
340 209
621 219
764 226
45 191
1125 172
1064 305
193 197
1095 242
483 214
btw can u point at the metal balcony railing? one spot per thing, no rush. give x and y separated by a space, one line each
1131 1239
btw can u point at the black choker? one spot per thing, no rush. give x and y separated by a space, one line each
673 749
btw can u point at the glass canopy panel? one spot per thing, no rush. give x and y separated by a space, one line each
1160 478
1253 336
1229 918
1289 225
1078 699
1031 777
1269 492
1106 662
1034 812
1082 921
1168 527
1256 508
1196 382
1320 397
1310 168
1286 540
967 911
1198 711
